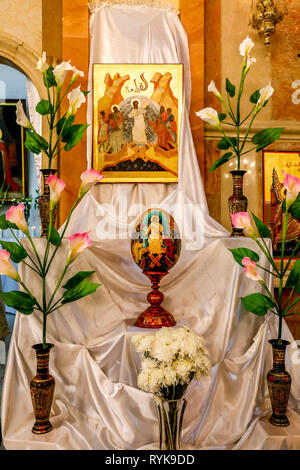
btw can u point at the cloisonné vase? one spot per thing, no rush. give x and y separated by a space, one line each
42 389
170 418
279 383
44 203
155 247
238 201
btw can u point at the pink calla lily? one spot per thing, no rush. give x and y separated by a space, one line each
292 186
250 269
6 266
56 187
78 243
89 178
242 220
16 215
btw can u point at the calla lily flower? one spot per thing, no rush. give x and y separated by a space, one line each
242 220
212 87
78 243
60 72
16 215
209 115
6 266
265 94
245 47
22 119
250 269
76 73
292 186
76 98
41 63
56 187
89 178
250 61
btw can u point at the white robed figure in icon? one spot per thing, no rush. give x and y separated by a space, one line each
139 127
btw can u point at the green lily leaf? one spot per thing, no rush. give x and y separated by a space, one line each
21 301
74 135
263 230
224 143
225 158
49 80
230 88
240 253
54 237
17 252
255 97
82 289
295 208
73 281
222 116
294 277
257 303
5 224
43 107
264 138
35 143
67 123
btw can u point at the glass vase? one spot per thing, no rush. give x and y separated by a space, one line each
170 417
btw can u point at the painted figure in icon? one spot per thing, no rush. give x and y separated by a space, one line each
102 132
155 235
115 129
138 112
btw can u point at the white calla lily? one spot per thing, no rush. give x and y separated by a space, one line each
246 46
22 119
76 73
212 87
41 65
209 115
76 98
264 94
250 61
60 72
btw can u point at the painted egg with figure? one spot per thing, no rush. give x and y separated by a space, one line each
156 243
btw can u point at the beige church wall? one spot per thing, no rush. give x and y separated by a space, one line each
22 19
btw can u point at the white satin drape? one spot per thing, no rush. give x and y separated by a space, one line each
97 404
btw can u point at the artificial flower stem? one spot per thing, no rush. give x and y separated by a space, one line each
231 110
28 292
288 300
48 239
18 241
285 224
35 251
56 288
247 133
64 231
267 270
292 305
271 296
268 256
297 247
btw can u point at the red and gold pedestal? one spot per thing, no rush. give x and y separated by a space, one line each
155 316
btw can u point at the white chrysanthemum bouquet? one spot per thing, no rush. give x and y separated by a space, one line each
172 357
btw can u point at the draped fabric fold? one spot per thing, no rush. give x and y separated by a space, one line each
97 404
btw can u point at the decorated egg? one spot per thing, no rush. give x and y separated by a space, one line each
156 243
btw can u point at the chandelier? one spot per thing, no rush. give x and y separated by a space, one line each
265 16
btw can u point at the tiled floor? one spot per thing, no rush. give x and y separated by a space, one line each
10 321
